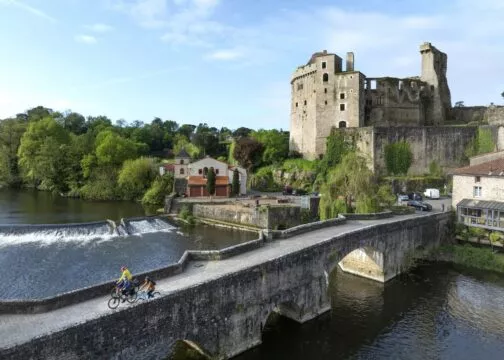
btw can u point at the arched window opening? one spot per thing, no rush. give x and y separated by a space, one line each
205 171
325 77
182 171
342 124
181 161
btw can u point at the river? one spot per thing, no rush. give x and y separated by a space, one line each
433 312
39 260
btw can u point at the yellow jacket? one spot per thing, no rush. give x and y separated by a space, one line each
125 275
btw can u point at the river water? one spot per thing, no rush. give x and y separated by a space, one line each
433 312
38 261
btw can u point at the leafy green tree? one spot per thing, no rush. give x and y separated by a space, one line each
135 177
398 158
248 152
386 196
38 113
113 150
42 156
11 131
74 122
210 185
241 132
162 186
350 180
276 145
181 142
235 184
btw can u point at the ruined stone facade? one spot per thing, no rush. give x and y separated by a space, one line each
326 96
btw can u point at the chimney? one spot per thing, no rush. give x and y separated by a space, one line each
349 61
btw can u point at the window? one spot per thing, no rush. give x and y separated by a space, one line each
325 90
181 161
182 171
305 102
342 124
325 102
342 96
300 86
325 77
205 171
477 178
200 171
216 171
477 191
342 107
296 104
324 64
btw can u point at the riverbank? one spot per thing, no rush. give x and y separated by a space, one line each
469 256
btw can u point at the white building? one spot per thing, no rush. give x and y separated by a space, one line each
195 175
478 194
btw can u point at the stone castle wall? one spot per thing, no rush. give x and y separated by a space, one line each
443 144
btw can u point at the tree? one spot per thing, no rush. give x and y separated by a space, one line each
351 180
276 145
135 177
241 132
42 154
162 186
74 122
210 185
248 152
459 104
113 150
235 184
11 131
337 147
502 94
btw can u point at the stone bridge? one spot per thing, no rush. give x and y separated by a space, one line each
220 307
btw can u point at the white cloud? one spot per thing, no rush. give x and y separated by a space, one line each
25 7
99 28
86 39
147 13
225 55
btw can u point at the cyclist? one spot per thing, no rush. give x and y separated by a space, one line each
124 283
150 285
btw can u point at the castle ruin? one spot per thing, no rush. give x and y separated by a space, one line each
326 96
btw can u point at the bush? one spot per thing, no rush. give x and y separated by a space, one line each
185 212
329 208
162 186
135 177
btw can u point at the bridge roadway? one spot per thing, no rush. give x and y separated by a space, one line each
20 328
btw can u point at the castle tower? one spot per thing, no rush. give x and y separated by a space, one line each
434 66
324 96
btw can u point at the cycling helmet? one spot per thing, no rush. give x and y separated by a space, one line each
123 268
147 278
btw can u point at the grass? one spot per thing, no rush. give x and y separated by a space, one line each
475 257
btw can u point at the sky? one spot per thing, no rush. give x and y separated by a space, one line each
229 62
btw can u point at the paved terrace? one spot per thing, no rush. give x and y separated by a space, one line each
20 328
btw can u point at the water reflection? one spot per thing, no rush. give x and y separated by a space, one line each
433 312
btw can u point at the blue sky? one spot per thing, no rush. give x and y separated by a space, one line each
229 62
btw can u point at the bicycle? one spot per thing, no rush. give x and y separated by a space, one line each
142 295
117 296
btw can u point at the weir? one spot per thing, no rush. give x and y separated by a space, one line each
16 234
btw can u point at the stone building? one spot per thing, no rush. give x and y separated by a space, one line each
478 194
191 176
324 95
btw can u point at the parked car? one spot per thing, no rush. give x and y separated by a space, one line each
419 205
431 193
403 197
415 196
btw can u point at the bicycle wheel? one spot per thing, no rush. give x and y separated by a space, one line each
114 302
156 293
132 298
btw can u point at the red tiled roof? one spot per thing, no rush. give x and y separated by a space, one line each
200 180
490 168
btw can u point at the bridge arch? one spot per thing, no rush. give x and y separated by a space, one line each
288 309
187 350
365 261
